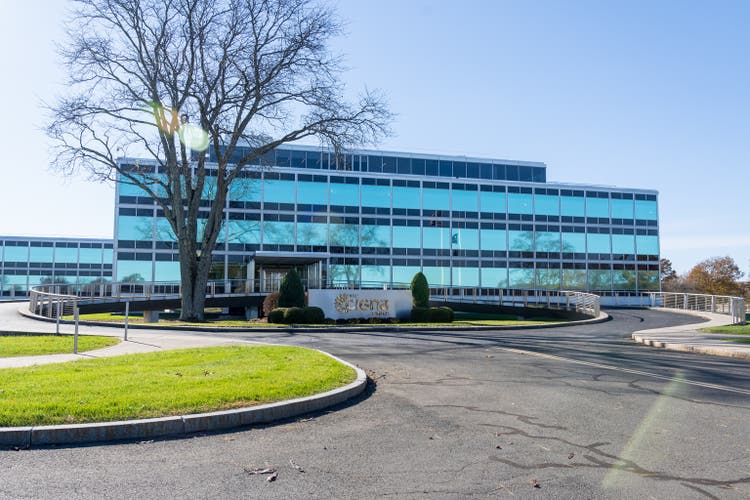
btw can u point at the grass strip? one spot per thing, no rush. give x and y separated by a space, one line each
729 329
164 383
37 345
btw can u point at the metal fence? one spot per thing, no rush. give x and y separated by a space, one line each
719 304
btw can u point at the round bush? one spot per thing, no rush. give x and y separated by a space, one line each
294 315
314 315
420 314
270 303
276 315
420 290
441 314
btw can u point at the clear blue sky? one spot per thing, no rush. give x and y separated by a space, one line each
635 94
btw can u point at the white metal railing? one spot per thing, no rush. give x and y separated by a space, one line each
582 302
719 304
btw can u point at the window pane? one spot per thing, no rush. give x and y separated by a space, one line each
164 231
376 236
466 276
521 241
278 233
647 245
345 194
312 193
438 276
466 239
465 200
493 202
623 279
622 209
574 242
344 274
69 255
436 199
572 206
135 228
547 242
546 204
244 231
378 274
494 239
648 280
436 237
598 243
597 207
404 274
521 278
16 254
166 271
244 190
645 209
134 270
623 244
404 197
600 279
41 254
574 279
519 203
548 279
376 196
278 191
494 277
92 256
406 237
346 235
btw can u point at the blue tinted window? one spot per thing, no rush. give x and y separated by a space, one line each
548 279
436 237
135 228
378 274
494 239
597 207
312 234
493 202
69 255
344 235
466 239
574 279
404 274
546 204
521 241
407 237
572 206
465 200
135 270
622 209
521 278
376 196
600 279
494 277
574 242
312 193
164 230
623 244
647 245
405 197
376 236
278 191
438 276
345 194
436 199
466 277
92 256
16 254
525 174
547 242
519 203
344 274
598 243
166 271
645 210
244 231
244 190
41 254
278 233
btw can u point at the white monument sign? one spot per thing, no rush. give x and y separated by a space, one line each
345 304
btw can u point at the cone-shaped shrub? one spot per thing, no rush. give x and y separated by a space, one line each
291 292
420 290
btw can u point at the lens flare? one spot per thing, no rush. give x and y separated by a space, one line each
170 120
193 137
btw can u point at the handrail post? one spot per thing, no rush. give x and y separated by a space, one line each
75 329
127 315
57 321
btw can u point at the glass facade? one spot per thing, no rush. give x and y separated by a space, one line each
381 217
26 262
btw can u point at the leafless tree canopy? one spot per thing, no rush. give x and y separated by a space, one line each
159 78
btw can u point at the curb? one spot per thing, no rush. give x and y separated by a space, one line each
603 317
713 351
26 437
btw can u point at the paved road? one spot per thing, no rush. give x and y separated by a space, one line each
582 412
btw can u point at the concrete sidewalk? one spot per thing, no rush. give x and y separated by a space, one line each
688 338
137 342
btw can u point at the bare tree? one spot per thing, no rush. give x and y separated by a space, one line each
170 79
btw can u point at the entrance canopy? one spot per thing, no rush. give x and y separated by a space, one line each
296 258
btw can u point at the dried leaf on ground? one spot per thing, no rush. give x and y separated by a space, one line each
260 470
272 477
535 484
294 464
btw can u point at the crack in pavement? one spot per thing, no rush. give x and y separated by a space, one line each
603 461
526 419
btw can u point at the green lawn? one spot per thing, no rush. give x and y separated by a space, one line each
462 319
34 345
729 329
164 383
740 341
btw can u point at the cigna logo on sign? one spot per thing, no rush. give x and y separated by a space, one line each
349 302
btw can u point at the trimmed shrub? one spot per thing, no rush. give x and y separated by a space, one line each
431 314
294 315
270 303
314 315
291 291
420 290
276 315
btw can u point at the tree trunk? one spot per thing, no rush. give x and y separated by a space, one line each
194 279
